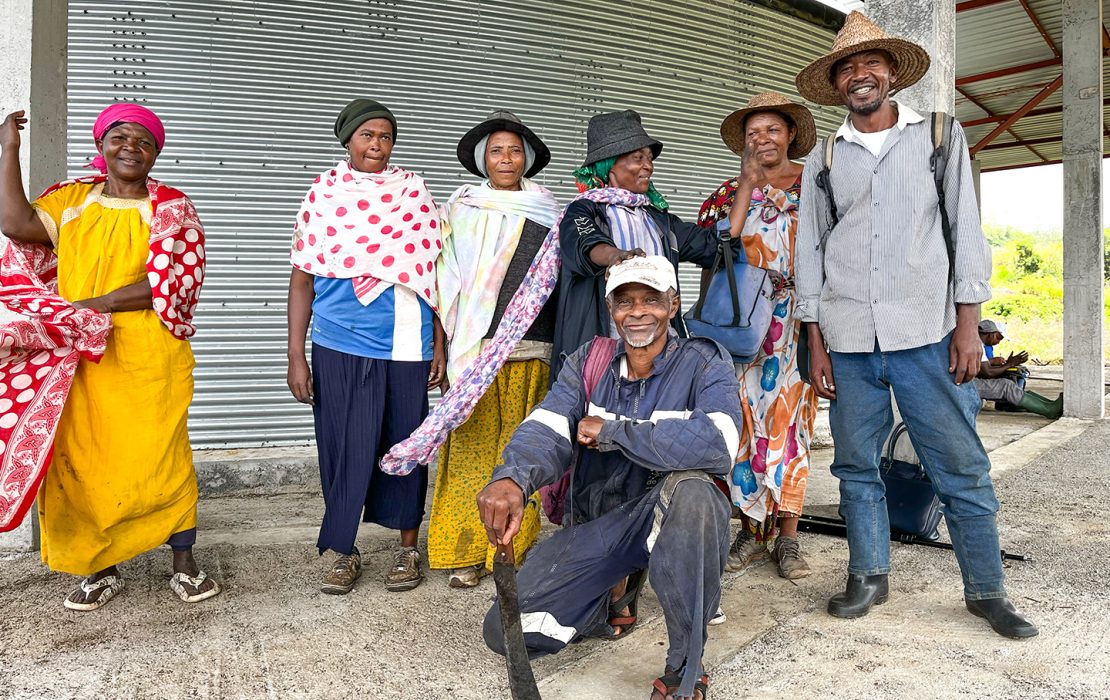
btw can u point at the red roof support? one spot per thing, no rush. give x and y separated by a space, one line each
1024 144
1021 112
1028 165
1019 141
1012 70
1032 113
976 4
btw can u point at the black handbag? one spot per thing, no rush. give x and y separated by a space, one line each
911 503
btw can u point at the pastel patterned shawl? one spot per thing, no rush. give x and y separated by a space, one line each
459 401
481 230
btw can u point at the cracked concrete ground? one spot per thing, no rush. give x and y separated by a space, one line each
273 635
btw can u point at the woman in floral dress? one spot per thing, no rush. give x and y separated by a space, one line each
769 479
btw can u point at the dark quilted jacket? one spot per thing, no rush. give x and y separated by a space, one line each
685 415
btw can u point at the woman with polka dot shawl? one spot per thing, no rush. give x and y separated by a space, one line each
121 481
365 243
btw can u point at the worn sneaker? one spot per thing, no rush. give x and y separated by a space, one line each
788 556
467 576
405 574
346 570
745 550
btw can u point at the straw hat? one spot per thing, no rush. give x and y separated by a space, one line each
805 135
860 34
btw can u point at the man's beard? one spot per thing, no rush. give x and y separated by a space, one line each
865 109
640 342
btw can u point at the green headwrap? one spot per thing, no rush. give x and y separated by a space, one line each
358 111
595 175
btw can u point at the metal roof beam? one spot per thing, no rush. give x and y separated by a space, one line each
1040 28
1010 130
1012 70
976 4
1026 143
1021 112
1028 165
1033 113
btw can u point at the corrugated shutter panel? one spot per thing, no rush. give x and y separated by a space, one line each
249 91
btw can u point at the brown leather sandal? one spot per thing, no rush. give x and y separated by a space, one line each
666 686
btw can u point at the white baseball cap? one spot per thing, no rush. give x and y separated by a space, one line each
653 270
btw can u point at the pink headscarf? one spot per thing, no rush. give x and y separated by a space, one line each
126 112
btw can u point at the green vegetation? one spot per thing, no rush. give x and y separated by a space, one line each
1028 290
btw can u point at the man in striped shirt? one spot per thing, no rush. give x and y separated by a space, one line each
875 284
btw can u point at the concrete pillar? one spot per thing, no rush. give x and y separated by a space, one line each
33 35
1083 251
932 25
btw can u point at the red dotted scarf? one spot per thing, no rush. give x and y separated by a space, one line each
375 229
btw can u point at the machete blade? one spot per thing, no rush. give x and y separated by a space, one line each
522 683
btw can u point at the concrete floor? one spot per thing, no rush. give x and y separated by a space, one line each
273 635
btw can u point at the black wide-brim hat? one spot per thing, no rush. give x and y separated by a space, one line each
502 120
613 134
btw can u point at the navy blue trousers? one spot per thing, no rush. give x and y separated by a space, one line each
678 531
363 408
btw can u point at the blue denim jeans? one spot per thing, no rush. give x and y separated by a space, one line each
940 417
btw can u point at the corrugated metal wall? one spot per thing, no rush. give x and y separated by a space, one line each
249 91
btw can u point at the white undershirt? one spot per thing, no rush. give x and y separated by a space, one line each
872 140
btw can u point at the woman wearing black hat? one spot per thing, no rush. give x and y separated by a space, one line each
491 234
622 216
364 249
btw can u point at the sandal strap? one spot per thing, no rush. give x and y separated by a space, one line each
106 582
195 582
636 582
626 621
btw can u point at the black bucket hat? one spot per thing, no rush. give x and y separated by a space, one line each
501 120
615 133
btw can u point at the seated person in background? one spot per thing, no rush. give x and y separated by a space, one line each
994 385
659 423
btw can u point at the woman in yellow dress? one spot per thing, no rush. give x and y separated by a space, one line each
121 481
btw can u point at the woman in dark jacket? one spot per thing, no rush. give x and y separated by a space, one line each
621 215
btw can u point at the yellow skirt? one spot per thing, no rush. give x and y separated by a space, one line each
456 537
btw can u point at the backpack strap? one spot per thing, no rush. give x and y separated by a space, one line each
825 184
938 164
599 357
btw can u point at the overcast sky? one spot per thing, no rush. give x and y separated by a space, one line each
1032 199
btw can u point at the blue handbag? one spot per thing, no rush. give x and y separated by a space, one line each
911 503
736 308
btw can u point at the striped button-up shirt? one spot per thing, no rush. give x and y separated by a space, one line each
883 273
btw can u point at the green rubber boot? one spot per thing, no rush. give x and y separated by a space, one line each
1035 403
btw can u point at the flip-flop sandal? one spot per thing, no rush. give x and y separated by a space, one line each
180 580
109 587
667 685
630 600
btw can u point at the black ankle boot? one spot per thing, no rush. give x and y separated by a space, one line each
861 593
1003 617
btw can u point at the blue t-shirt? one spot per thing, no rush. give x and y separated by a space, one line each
395 326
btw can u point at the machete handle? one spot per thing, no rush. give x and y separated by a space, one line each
505 554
